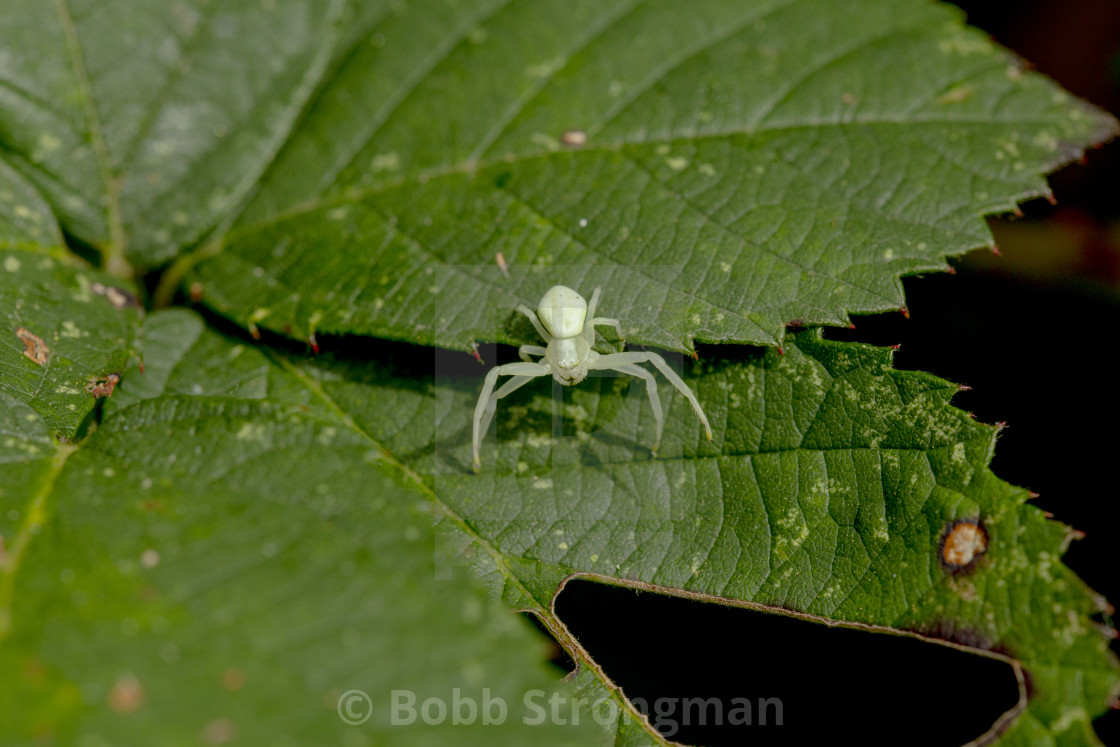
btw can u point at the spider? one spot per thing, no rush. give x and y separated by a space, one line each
567 323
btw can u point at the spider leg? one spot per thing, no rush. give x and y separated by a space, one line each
536 322
605 322
592 304
596 321
504 390
487 400
526 350
614 360
588 326
654 402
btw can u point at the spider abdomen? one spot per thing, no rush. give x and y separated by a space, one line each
562 311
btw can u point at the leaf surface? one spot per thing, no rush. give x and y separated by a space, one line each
240 534
65 329
746 165
831 490
722 170
214 567
145 124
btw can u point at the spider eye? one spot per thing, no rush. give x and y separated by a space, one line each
565 353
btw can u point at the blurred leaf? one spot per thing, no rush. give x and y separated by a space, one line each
25 217
218 568
146 123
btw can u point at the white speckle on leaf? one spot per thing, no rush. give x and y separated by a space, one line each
545 140
149 558
252 432
545 69
385 162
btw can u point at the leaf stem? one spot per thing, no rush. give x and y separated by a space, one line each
173 276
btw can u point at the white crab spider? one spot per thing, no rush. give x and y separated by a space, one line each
567 323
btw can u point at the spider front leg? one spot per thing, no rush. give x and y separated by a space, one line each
522 374
615 360
536 322
526 350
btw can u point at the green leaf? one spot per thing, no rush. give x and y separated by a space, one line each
234 539
210 567
746 165
829 491
146 123
25 217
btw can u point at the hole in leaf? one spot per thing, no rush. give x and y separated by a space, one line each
834 685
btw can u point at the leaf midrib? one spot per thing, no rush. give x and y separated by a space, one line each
33 518
113 254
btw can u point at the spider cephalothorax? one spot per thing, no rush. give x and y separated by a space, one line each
567 323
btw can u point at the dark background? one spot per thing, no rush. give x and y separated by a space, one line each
1033 332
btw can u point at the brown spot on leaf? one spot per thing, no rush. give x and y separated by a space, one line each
33 346
963 542
219 731
501 260
127 695
103 386
233 679
34 671
121 299
195 292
